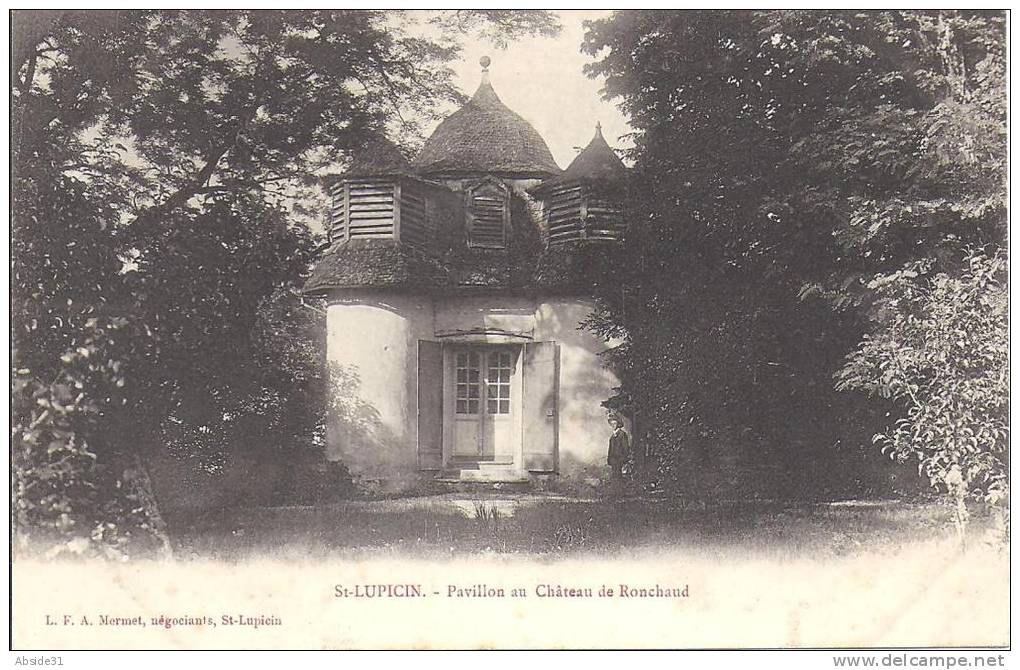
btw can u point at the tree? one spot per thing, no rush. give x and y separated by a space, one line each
782 161
162 159
72 346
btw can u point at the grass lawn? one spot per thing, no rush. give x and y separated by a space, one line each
754 574
460 524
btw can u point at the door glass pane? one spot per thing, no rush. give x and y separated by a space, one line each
468 383
498 382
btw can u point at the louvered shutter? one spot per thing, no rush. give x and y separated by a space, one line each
540 406
487 216
563 213
370 210
338 213
430 405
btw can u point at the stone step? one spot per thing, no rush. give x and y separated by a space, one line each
485 472
474 464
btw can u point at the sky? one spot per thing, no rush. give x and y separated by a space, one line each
543 80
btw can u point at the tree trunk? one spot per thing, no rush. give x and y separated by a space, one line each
141 482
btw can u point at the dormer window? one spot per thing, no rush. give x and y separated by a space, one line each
488 214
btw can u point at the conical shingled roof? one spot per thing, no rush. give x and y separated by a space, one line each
379 157
486 136
596 162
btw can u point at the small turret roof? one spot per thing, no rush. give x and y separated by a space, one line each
596 162
379 157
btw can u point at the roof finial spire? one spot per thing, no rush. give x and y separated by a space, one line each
598 128
484 61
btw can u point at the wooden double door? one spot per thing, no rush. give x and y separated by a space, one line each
483 388
491 408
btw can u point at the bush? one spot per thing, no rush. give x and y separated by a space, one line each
73 491
941 349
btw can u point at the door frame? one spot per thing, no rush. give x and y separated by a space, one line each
450 350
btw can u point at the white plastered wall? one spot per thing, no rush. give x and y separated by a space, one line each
372 350
585 382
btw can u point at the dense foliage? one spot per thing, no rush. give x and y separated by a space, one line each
165 178
788 166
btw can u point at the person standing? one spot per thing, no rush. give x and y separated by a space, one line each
619 452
